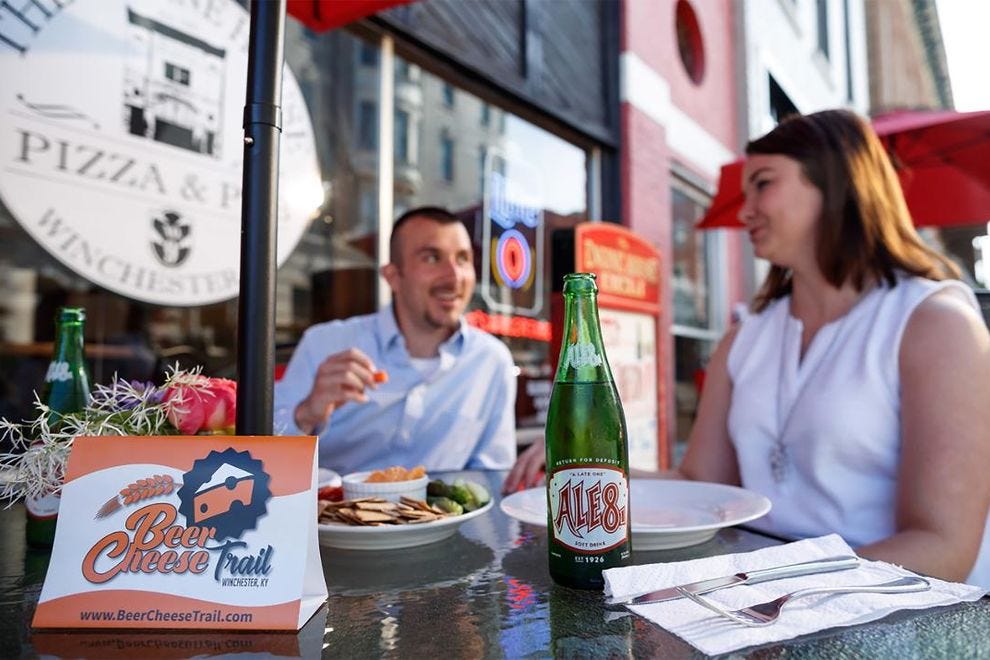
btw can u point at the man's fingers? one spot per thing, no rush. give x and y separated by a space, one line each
342 366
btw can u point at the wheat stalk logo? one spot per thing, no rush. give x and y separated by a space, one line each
140 490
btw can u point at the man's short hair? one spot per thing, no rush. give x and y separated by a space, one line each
435 213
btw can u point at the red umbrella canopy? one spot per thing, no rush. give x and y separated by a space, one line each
322 15
942 159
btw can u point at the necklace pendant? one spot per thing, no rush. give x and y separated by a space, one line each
778 461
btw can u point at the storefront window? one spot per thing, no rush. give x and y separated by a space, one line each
695 334
464 164
331 273
471 153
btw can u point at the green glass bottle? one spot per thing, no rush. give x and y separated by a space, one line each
588 516
66 390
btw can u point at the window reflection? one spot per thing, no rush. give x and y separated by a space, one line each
452 159
690 265
446 158
694 333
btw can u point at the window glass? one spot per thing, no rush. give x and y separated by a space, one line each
401 136
482 159
689 261
454 161
333 270
368 54
446 158
694 334
821 12
368 124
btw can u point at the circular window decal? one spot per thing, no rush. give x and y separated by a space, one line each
689 41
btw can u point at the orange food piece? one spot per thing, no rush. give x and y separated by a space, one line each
380 376
395 473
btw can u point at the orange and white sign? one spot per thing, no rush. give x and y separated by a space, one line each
627 269
213 532
627 266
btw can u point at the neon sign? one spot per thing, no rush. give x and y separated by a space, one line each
513 227
510 326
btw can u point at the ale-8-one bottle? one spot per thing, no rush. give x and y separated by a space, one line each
66 391
587 451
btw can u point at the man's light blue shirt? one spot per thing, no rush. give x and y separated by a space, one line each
460 416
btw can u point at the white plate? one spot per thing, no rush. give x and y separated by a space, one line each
665 513
388 537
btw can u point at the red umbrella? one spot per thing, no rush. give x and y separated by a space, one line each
321 15
942 160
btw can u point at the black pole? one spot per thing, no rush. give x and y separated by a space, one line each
259 211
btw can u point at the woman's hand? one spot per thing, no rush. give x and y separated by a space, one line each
529 470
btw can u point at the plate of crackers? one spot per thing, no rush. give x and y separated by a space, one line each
374 523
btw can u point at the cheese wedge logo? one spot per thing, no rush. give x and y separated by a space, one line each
227 486
227 491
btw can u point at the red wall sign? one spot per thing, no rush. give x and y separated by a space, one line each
628 267
628 276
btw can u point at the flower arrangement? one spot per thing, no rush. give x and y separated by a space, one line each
187 403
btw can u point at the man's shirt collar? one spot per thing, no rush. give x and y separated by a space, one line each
390 336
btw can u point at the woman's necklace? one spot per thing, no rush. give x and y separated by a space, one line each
780 461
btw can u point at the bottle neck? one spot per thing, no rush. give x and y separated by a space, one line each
582 351
66 387
69 344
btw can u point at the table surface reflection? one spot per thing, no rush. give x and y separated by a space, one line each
483 593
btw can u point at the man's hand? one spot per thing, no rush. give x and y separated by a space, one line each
529 469
340 378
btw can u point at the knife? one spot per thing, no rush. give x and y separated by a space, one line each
840 563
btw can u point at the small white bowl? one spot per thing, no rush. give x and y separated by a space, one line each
355 487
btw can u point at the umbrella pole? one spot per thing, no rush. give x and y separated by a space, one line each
259 212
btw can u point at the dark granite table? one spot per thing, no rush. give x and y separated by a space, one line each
484 593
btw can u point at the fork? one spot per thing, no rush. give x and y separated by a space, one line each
763 614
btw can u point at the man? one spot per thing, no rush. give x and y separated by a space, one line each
448 397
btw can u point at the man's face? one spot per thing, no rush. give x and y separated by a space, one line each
432 278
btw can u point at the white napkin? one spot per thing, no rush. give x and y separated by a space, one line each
713 634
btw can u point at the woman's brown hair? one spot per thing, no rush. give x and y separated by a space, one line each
865 233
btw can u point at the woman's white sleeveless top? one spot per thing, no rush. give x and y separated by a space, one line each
836 411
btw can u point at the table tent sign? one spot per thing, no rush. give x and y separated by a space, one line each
200 532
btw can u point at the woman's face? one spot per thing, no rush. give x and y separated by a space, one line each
781 211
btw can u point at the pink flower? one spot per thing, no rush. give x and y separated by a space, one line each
202 404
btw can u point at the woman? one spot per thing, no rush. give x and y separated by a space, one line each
857 395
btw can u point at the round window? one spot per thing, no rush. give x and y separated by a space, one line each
689 42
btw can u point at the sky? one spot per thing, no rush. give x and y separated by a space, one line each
967 49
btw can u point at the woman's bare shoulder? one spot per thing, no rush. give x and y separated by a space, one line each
945 321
